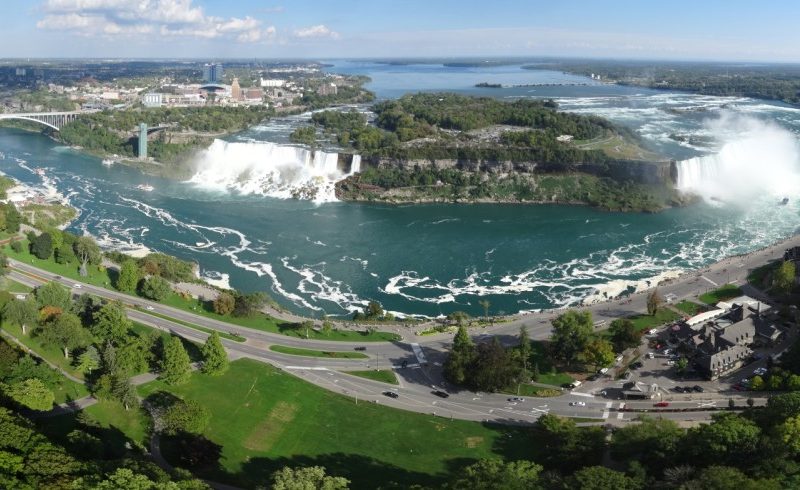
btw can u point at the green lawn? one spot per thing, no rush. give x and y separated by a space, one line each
96 276
48 352
132 423
268 324
68 390
525 389
224 335
383 375
13 286
317 353
548 373
690 308
646 322
728 291
265 419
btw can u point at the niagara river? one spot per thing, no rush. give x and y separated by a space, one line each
239 217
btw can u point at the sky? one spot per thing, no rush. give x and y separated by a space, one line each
735 30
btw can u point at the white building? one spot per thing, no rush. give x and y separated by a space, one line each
152 100
272 83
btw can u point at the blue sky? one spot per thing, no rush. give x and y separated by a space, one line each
673 29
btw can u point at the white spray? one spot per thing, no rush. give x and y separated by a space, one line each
756 159
270 169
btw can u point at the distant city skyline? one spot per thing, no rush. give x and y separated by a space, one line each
735 30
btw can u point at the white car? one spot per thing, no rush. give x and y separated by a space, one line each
77 286
149 308
653 331
577 404
650 355
760 371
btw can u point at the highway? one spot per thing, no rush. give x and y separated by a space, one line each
420 379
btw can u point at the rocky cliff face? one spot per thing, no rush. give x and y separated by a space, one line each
643 172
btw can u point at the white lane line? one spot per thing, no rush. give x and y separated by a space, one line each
582 394
620 415
621 404
709 280
609 404
606 414
312 368
418 353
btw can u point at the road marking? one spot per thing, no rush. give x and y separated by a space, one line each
418 353
542 410
609 404
707 404
606 414
620 415
312 368
621 404
583 394
400 366
709 280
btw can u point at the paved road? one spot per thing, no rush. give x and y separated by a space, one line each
419 379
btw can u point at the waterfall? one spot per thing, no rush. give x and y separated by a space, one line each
756 160
270 169
355 165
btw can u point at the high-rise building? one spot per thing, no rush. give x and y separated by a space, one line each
212 72
236 91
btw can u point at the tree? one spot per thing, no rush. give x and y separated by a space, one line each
22 313
247 305
624 334
215 359
783 279
460 358
525 350
490 474
89 360
31 393
175 366
64 254
309 478
599 352
42 246
111 323
571 332
757 383
790 434
459 317
4 267
185 416
728 478
602 478
87 251
492 368
155 288
654 302
224 304
681 365
66 332
129 277
53 294
485 304
124 391
653 442
729 439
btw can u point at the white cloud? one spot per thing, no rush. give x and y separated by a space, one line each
169 18
317 31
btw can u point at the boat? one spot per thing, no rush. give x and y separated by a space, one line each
108 162
145 187
784 201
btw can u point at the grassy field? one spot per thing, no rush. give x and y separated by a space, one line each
13 286
548 374
617 147
689 307
96 276
268 324
48 352
646 322
265 419
317 353
525 389
727 291
383 375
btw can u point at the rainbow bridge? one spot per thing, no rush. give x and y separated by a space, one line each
54 120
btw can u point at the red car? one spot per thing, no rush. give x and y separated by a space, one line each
662 404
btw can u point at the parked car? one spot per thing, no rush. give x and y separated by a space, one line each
688 389
390 394
603 370
441 394
516 399
627 375
360 348
577 404
670 362
637 365
661 404
760 371
77 286
650 355
593 377
698 388
677 389
653 331
619 358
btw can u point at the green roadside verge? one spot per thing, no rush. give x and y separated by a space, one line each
294 351
382 375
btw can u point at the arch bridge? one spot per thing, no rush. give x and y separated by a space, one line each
54 120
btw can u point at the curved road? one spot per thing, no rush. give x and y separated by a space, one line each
419 379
